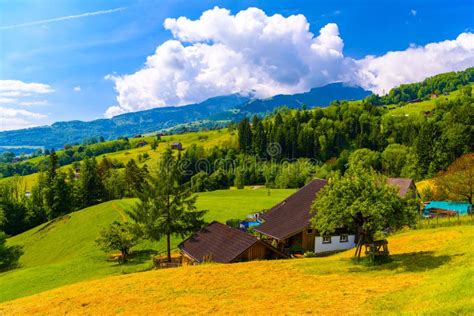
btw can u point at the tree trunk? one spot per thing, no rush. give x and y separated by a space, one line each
168 246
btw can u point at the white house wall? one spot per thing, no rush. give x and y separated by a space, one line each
335 244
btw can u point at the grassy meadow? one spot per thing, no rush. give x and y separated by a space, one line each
418 108
63 251
431 273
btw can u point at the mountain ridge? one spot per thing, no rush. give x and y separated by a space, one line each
212 112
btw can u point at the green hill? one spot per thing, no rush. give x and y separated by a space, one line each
431 273
63 251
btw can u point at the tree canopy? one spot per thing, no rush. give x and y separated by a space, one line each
363 202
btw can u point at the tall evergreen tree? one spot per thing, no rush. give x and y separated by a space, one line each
90 186
134 177
245 136
166 208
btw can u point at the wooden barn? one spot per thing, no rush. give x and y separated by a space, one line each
220 243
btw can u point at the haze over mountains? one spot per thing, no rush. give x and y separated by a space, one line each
215 111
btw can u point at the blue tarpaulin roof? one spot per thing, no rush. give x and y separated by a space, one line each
461 207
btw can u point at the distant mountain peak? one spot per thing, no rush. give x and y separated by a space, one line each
215 110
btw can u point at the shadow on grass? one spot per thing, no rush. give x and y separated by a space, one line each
141 256
408 262
137 257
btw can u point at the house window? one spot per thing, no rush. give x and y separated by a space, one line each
326 239
344 238
310 231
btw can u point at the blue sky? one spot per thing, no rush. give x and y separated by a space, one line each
69 47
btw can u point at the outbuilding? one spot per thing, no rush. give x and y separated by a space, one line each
220 243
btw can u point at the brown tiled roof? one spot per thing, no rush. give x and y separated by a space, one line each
403 184
217 242
292 215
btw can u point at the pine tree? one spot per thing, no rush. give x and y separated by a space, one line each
166 208
245 136
90 187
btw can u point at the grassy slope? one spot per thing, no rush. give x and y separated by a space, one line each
418 108
208 139
63 252
432 272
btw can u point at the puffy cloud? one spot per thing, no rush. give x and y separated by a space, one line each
253 53
76 89
413 12
380 74
221 53
16 93
114 111
20 88
18 118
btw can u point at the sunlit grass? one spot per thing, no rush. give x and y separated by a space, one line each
431 273
63 251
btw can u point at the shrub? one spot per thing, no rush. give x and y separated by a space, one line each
118 236
9 256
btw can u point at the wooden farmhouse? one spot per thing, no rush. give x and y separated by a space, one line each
287 224
221 243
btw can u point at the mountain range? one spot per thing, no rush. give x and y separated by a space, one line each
216 111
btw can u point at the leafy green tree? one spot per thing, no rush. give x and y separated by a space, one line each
13 207
37 210
9 255
115 185
52 171
239 179
118 236
457 182
165 207
362 201
200 182
218 180
365 158
394 158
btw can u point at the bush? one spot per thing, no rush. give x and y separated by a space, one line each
118 236
9 256
310 254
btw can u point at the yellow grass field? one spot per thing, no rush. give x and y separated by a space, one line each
431 273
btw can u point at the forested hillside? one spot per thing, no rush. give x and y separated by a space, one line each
215 112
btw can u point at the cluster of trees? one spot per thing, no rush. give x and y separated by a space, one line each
165 208
9 255
69 155
57 193
410 146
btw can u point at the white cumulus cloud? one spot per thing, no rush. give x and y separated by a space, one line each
16 93
250 52
18 118
380 74
76 89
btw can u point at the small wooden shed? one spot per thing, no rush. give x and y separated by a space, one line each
220 243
